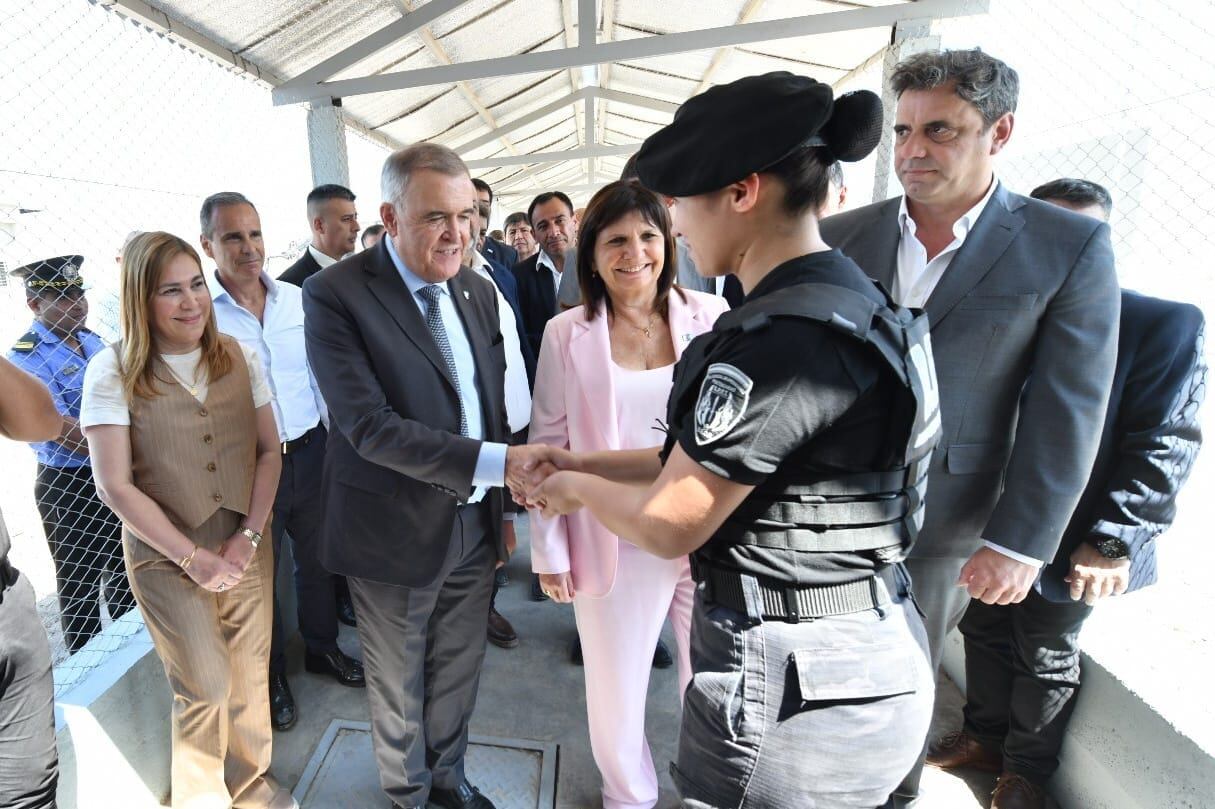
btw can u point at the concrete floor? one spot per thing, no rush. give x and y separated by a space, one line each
533 692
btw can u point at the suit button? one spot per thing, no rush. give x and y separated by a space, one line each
203 412
218 497
207 438
211 466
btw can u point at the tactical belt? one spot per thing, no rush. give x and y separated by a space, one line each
795 604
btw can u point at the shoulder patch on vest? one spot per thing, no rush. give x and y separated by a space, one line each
722 402
27 342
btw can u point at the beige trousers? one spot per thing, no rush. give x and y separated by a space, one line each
215 648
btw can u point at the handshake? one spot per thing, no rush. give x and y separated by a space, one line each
537 476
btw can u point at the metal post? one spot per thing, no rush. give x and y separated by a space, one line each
327 142
910 37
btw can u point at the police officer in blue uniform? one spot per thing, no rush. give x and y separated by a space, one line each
83 534
800 431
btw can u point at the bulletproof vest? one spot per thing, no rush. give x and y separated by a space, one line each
878 510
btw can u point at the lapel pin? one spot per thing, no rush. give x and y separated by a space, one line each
687 338
466 294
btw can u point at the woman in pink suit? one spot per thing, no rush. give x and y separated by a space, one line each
602 381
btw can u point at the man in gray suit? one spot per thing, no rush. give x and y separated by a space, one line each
406 348
1023 302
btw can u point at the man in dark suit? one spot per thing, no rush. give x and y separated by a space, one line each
1023 302
1023 660
493 249
407 350
335 232
553 222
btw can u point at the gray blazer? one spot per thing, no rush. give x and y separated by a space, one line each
396 465
1025 334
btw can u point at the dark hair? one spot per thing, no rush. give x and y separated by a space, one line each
629 172
1077 192
372 230
610 204
546 197
983 81
206 216
517 216
326 192
481 185
805 174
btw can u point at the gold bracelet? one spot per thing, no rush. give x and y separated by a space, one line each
184 564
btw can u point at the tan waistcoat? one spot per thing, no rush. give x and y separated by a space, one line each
191 458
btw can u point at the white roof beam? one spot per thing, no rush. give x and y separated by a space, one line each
530 118
374 43
605 72
749 12
588 188
554 157
656 104
633 49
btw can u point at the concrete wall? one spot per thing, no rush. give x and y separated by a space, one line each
1120 752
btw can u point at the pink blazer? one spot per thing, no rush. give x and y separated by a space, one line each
574 406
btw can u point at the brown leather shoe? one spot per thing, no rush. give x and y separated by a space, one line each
500 632
1015 792
960 749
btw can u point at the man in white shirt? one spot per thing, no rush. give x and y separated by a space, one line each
335 232
518 404
539 277
1024 302
269 316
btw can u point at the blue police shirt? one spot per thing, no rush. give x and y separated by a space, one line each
62 370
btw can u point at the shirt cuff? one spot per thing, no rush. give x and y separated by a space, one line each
509 516
491 465
1020 557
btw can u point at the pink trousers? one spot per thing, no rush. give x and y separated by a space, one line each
619 632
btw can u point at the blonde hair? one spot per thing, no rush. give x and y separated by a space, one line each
143 263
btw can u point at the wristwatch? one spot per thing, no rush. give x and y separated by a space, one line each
254 536
1112 548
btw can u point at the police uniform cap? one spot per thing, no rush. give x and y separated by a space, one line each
733 130
59 272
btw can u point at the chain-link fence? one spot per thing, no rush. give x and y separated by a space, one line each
110 128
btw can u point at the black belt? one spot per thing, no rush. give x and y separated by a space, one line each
794 604
304 440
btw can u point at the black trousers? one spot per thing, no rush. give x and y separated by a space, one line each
422 651
85 539
29 764
297 511
1022 679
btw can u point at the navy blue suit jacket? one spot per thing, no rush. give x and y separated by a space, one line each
505 280
537 299
1149 442
504 254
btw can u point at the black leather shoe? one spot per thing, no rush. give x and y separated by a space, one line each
500 632
537 591
500 577
343 668
282 704
662 656
465 796
576 651
345 611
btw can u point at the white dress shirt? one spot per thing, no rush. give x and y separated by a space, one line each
321 258
917 277
542 260
279 342
490 469
518 394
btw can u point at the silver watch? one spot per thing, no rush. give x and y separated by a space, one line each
254 536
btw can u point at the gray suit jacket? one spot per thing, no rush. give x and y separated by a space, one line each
396 465
1025 334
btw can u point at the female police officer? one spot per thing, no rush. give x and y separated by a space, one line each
799 434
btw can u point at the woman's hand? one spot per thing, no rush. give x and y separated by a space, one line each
213 572
558 586
238 549
555 495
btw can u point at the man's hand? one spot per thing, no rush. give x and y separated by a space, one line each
555 496
994 578
529 464
558 586
1094 577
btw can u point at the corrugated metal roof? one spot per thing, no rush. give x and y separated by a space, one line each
284 38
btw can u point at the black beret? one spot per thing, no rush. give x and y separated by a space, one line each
732 130
59 272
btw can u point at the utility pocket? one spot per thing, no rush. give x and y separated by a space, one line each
855 673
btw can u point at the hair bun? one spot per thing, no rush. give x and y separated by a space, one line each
855 126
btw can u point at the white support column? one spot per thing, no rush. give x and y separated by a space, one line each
327 142
910 37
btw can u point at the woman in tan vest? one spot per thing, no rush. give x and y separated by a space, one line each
186 452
